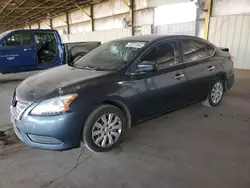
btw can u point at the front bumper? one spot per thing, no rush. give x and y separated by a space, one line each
60 132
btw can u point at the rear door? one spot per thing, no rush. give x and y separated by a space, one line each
200 67
17 52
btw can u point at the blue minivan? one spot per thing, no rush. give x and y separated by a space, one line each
30 50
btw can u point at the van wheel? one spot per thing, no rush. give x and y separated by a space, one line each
215 94
103 128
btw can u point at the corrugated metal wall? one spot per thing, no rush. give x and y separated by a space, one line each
102 36
176 29
233 31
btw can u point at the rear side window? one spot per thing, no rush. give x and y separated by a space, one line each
26 39
164 55
195 50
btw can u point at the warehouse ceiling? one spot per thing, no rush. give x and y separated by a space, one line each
18 13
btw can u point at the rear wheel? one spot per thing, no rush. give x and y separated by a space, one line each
103 128
215 94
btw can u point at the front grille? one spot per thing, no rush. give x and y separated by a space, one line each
18 108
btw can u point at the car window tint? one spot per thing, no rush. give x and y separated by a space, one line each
14 40
194 50
164 55
210 50
26 38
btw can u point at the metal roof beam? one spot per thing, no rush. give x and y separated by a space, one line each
24 8
21 4
5 5
39 12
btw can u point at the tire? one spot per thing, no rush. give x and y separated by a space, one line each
104 134
212 99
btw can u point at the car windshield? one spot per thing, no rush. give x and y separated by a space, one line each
110 56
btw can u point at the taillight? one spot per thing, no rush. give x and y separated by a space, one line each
232 59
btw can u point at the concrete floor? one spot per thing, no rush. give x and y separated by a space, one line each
196 147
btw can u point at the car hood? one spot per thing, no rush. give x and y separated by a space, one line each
56 81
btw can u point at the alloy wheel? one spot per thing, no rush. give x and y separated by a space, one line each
107 130
217 92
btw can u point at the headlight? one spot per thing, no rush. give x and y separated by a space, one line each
54 106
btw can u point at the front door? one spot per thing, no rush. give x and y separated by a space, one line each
164 88
17 52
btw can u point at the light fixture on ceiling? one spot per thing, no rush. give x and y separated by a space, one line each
12 3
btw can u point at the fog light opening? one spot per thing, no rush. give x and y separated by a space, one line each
44 139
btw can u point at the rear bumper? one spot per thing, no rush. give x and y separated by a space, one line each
230 80
60 132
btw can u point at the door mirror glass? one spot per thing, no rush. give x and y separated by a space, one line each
146 66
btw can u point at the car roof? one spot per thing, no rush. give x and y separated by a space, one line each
32 30
154 37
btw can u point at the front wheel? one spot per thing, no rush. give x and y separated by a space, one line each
215 94
103 128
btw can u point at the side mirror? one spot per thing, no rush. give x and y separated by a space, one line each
146 66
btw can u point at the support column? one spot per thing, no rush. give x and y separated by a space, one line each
207 18
131 13
92 18
67 21
51 23
132 16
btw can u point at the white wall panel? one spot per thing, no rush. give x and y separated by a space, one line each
141 4
143 30
176 29
109 8
200 28
80 27
34 26
110 22
60 21
228 7
102 36
156 3
233 32
144 17
45 24
79 16
65 38
61 30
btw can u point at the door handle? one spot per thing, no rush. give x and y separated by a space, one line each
178 76
27 49
210 68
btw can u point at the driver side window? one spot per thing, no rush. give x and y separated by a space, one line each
14 40
164 55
